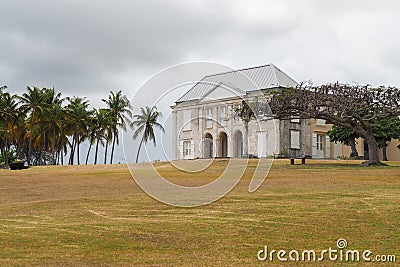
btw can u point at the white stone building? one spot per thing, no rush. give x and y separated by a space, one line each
205 124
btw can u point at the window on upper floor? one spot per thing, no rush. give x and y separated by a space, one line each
321 122
223 116
209 120
187 120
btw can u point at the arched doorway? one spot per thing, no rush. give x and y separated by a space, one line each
208 146
238 144
223 145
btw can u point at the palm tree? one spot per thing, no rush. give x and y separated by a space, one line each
49 127
102 121
78 119
107 137
2 121
8 114
54 114
32 102
91 133
19 132
97 131
120 110
145 123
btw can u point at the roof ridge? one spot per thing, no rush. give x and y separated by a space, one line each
239 70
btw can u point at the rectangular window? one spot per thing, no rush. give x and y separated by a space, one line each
294 139
186 120
209 120
295 120
321 122
187 148
223 116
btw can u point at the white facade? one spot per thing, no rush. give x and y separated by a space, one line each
205 123
213 130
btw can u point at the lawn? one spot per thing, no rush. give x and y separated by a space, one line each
98 216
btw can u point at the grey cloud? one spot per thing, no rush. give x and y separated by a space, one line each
88 48
82 46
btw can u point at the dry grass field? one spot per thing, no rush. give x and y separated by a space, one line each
98 216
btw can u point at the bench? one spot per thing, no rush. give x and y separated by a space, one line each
296 154
303 160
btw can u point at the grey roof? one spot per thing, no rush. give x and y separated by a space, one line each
244 80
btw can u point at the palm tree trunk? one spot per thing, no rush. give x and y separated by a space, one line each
62 155
2 151
105 153
71 155
53 146
30 139
43 149
140 146
29 148
88 153
78 143
112 149
6 165
97 150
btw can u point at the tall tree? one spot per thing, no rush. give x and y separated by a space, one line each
384 131
54 120
19 132
102 122
78 117
120 110
345 136
91 133
8 114
32 102
146 122
350 106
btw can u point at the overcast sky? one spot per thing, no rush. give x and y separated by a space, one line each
88 48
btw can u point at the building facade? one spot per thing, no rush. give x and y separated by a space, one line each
206 124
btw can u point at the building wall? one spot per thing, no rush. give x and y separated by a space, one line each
392 150
263 137
285 128
273 135
343 151
330 150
